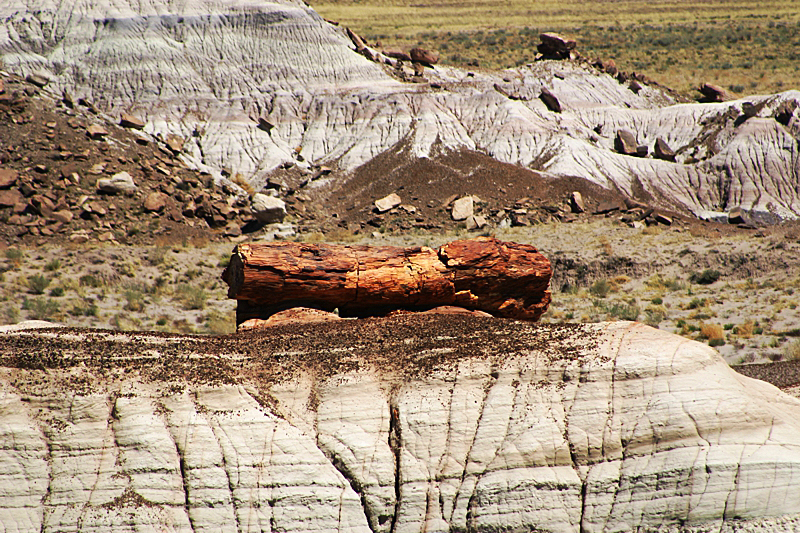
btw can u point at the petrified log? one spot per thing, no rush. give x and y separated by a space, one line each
505 279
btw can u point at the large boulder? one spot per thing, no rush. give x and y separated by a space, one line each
268 209
554 46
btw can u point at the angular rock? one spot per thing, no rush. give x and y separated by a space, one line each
642 150
712 93
663 151
607 207
8 177
576 202
96 131
625 142
388 203
463 208
155 201
476 222
175 143
127 120
550 100
785 111
121 182
396 53
663 219
10 197
519 218
554 46
268 209
426 57
737 215
265 125
37 79
64 216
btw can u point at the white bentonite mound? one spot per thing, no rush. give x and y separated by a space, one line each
619 427
207 70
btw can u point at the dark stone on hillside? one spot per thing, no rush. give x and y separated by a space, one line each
10 197
96 131
576 203
265 125
611 67
749 109
663 219
174 143
519 218
35 79
631 204
130 121
785 112
550 101
554 46
426 57
67 99
712 93
607 207
358 42
635 86
737 216
625 142
8 177
396 53
642 150
663 151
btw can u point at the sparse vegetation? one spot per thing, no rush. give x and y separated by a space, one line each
38 283
706 277
600 288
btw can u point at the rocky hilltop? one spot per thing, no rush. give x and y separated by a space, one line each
258 88
412 423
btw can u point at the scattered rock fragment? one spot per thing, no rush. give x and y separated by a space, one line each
576 202
388 203
155 201
37 79
129 121
174 143
663 151
554 46
265 125
10 197
737 215
785 112
396 53
96 131
475 222
8 177
712 93
267 209
550 101
625 142
663 219
463 208
423 56
121 182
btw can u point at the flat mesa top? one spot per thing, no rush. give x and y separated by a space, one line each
408 344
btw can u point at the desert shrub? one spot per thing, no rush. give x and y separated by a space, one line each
624 311
792 350
706 277
657 301
191 297
745 330
157 254
15 256
217 323
659 282
56 292
697 303
711 331
10 314
716 342
38 283
727 327
600 288
134 300
655 314
224 261
40 308
53 265
88 280
162 321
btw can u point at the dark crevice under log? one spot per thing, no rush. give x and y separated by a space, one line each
505 279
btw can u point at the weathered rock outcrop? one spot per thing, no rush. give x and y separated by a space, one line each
415 423
188 69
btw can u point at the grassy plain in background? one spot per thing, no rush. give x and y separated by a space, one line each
746 47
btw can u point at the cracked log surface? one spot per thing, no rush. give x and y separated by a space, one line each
412 423
505 279
209 70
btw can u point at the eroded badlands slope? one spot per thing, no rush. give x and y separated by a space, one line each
413 423
207 70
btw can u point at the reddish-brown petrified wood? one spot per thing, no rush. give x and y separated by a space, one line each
505 279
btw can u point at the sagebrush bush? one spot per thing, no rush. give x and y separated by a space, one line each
600 288
38 283
706 277
712 331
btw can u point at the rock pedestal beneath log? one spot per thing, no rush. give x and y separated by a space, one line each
505 279
554 46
